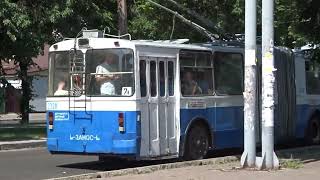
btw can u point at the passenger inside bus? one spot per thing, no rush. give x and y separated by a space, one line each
189 87
61 89
204 83
104 76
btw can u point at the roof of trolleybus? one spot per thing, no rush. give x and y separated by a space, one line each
94 43
102 43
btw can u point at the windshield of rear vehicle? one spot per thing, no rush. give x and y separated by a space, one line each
110 72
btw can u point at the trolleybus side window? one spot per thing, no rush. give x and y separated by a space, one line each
162 82
228 73
196 73
171 78
153 78
143 83
312 77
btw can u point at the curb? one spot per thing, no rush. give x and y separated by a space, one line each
22 144
284 155
152 168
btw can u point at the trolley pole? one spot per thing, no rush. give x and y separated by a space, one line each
269 158
248 158
122 17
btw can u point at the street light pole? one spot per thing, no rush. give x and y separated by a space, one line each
248 158
269 158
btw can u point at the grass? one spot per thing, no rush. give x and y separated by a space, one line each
22 133
292 164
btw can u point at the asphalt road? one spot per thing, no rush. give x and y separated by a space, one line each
39 164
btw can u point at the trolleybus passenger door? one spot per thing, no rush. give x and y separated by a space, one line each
158 121
167 107
171 109
144 106
154 109
163 107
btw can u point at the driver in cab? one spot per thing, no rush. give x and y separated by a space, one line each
104 76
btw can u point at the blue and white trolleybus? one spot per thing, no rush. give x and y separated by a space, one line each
166 99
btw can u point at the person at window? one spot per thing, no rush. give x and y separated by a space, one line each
61 89
189 87
104 76
204 83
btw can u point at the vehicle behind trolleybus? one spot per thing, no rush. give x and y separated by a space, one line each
166 99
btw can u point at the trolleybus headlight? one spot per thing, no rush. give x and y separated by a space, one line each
121 122
51 119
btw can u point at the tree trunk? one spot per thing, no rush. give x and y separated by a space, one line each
26 92
122 17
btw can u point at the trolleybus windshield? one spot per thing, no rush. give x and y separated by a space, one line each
110 72
59 72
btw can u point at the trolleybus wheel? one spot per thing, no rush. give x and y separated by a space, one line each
313 134
197 143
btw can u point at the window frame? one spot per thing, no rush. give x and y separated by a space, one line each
145 78
156 79
52 72
215 76
173 78
162 62
133 72
197 68
310 67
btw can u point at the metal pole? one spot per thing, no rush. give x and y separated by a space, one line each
269 158
248 158
122 17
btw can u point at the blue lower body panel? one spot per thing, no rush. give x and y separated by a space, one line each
226 123
76 132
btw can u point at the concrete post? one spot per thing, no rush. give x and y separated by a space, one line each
269 158
248 158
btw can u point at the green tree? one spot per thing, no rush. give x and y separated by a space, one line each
296 21
21 39
148 21
25 26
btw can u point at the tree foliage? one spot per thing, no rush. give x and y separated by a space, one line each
25 26
296 21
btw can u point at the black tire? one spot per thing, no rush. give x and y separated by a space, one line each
313 131
197 144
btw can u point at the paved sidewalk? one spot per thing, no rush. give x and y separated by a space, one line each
13 118
222 167
10 145
310 171
9 123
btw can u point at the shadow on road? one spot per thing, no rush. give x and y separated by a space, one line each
118 163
